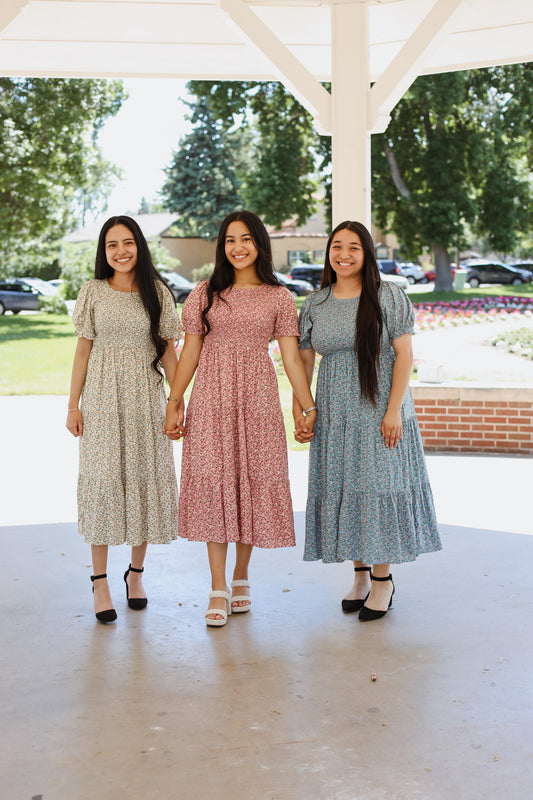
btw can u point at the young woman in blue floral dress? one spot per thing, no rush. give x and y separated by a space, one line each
369 497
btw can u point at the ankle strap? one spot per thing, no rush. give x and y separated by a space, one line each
97 577
388 578
134 569
361 569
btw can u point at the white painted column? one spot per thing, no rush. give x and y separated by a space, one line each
350 138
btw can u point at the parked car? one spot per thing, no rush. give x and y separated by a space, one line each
22 294
43 287
527 265
413 272
312 273
56 283
399 280
388 266
296 287
480 271
181 287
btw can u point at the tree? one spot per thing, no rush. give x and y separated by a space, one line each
51 167
455 155
454 162
278 182
202 183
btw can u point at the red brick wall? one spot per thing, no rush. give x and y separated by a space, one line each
481 420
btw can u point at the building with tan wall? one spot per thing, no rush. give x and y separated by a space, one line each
304 244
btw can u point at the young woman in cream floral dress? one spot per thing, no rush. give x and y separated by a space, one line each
126 322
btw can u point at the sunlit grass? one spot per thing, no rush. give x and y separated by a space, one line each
36 353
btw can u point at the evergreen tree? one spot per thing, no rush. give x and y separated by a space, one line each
279 182
202 184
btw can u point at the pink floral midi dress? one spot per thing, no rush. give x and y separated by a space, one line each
234 476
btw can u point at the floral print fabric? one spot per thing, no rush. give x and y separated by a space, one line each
127 490
234 479
365 502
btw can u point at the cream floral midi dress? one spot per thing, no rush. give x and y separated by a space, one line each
234 477
366 502
127 489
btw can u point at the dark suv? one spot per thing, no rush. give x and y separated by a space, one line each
388 267
480 271
308 272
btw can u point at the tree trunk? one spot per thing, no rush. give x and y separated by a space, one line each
443 277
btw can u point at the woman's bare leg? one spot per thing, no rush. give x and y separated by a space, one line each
243 554
217 553
102 595
135 579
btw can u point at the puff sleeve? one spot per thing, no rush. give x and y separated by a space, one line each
287 316
169 323
192 310
83 314
305 324
398 311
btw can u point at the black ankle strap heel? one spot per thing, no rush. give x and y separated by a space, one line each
109 615
349 606
136 603
366 614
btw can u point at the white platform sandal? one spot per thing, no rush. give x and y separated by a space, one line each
223 612
238 597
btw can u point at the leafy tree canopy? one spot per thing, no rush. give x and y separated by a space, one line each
454 163
51 167
457 157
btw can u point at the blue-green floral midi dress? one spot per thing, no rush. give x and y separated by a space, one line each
365 502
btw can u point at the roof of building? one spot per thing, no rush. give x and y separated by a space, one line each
152 225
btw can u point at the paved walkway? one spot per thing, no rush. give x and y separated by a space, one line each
466 353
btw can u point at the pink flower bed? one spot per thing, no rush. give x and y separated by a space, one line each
450 313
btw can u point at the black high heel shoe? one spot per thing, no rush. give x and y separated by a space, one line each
366 614
348 606
137 603
109 615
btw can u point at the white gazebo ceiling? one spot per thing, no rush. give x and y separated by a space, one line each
387 43
187 39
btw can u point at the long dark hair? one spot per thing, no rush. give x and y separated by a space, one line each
146 275
369 320
223 275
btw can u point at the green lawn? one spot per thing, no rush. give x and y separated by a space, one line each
36 353
36 350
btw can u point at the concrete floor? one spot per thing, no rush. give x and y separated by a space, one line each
279 704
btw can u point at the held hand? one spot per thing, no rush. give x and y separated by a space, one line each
75 422
304 426
174 423
391 428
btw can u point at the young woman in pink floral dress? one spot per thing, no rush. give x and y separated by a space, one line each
234 479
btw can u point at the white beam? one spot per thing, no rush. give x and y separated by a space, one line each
405 67
303 85
9 10
350 137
